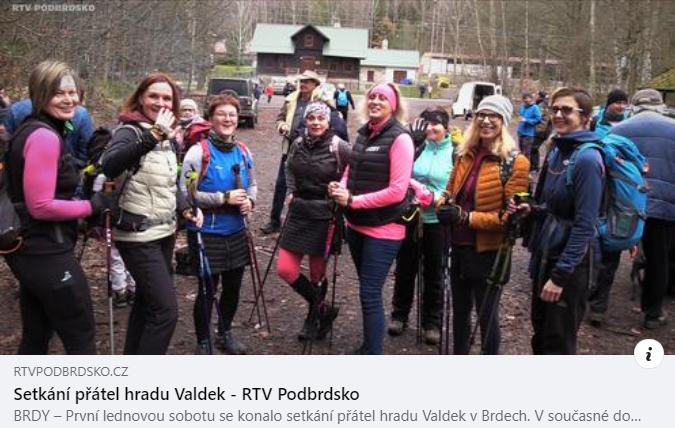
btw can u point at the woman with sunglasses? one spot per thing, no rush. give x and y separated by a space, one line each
430 174
373 192
564 240
475 205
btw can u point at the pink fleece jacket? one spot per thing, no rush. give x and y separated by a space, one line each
400 170
41 155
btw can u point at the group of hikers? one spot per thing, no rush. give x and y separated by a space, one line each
446 207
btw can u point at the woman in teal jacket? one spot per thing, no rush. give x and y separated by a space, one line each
430 175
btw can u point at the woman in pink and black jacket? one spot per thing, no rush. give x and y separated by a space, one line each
373 192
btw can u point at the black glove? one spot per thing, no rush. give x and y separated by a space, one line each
452 214
100 203
418 129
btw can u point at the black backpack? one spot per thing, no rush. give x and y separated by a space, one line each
10 222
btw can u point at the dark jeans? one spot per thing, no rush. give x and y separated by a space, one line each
373 259
525 144
53 297
229 302
279 193
658 242
556 325
469 291
599 298
433 248
534 153
154 314
345 112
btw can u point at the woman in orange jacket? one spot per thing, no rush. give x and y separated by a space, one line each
478 198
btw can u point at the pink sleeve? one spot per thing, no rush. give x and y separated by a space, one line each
400 170
345 176
41 156
423 195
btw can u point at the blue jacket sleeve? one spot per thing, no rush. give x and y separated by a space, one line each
84 128
588 183
534 116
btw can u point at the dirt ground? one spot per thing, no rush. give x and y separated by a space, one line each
286 310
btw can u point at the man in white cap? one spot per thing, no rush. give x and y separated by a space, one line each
290 125
343 98
654 136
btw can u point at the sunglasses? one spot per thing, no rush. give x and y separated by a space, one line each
565 110
492 117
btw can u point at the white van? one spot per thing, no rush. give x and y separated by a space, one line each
470 95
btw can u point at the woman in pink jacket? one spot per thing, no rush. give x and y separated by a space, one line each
373 192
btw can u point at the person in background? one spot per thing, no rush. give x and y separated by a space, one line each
529 116
564 241
53 291
430 175
374 194
542 130
189 115
269 91
614 112
79 128
654 136
343 99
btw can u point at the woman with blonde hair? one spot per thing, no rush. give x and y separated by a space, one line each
373 192
488 173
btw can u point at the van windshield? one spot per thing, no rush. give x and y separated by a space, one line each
238 86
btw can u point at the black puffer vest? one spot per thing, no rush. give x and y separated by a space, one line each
369 172
42 237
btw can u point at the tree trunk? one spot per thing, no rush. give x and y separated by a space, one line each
478 35
591 62
493 42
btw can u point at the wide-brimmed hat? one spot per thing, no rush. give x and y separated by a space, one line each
309 75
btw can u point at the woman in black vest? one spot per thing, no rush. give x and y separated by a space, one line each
54 295
315 159
373 192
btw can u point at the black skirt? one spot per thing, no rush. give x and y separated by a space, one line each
305 236
224 253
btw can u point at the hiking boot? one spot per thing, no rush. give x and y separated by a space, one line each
653 323
120 299
271 227
432 335
397 327
596 319
310 293
326 319
202 348
231 345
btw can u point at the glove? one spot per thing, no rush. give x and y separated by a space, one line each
164 122
418 129
100 203
282 128
452 214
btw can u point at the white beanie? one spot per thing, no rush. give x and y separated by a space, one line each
499 104
190 103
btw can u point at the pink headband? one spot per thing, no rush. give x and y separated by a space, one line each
387 92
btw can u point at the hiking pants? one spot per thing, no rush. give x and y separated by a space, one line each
53 297
658 242
229 302
279 193
599 298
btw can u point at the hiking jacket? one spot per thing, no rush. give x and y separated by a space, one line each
654 136
568 213
488 218
432 169
601 126
532 116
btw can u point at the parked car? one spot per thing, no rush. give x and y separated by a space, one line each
242 88
278 84
470 95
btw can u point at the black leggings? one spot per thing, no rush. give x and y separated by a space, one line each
54 297
229 302
154 314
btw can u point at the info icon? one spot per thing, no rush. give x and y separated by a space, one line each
649 353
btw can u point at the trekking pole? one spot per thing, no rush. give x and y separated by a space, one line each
269 265
419 232
83 246
206 287
108 189
255 269
444 343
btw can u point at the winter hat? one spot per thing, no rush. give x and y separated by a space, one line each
436 116
188 103
387 92
616 95
499 104
317 108
647 97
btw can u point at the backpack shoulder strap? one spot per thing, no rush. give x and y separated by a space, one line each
206 157
573 159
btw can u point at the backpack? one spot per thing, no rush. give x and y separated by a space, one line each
342 100
624 206
10 222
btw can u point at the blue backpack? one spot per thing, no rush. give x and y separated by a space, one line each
624 207
342 99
